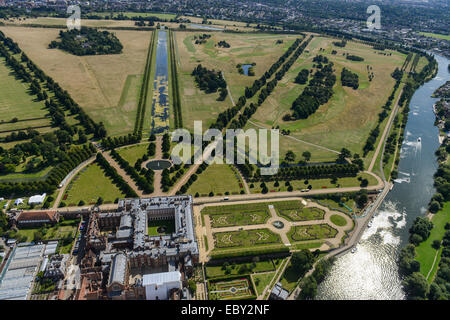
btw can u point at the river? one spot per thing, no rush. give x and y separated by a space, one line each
371 272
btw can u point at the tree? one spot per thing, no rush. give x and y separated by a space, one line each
436 244
434 206
290 156
309 288
416 286
364 183
302 261
361 198
306 155
99 201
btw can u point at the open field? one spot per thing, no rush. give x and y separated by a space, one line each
311 232
218 178
89 185
244 48
425 253
349 115
106 93
245 238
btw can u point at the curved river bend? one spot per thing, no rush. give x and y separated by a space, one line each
372 273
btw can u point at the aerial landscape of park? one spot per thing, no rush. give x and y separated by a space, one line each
96 205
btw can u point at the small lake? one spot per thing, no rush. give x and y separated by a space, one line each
245 67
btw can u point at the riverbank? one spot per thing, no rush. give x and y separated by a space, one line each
372 272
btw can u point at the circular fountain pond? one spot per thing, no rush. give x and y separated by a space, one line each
158 164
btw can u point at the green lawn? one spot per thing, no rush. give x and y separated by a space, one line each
154 225
133 153
338 220
89 186
218 178
425 253
262 281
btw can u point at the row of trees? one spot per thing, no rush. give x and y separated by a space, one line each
115 177
259 83
111 143
143 178
309 172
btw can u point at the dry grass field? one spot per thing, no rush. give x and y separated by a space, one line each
106 86
245 48
346 120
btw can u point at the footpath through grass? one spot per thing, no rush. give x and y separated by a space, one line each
425 253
